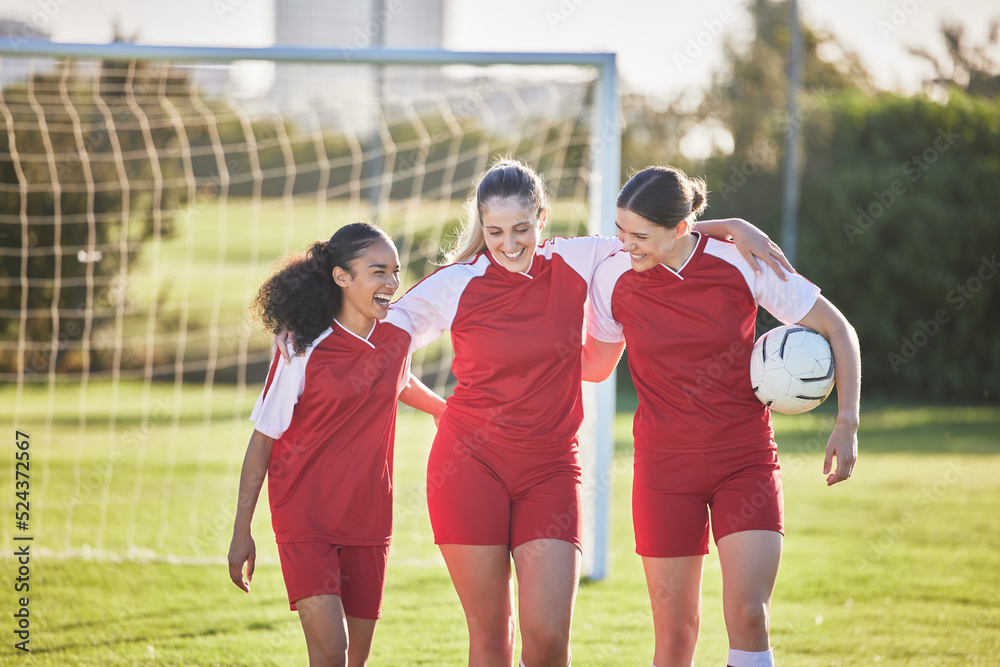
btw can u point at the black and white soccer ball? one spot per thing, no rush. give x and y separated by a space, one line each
791 369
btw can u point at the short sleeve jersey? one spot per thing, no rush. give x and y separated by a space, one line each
332 413
517 339
689 335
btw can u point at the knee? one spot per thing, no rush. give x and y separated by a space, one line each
750 619
679 635
680 619
330 653
492 636
545 646
358 657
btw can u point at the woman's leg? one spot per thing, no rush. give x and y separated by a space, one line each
747 521
482 579
325 628
360 633
547 576
749 562
675 596
362 585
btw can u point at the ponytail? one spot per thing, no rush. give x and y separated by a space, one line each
471 239
699 197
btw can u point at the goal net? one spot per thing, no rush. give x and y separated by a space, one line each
143 200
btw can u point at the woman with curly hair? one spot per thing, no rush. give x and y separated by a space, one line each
323 436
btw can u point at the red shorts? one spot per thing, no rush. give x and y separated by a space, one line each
672 494
479 493
354 573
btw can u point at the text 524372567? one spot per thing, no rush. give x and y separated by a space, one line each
22 549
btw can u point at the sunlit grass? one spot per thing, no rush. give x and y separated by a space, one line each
899 565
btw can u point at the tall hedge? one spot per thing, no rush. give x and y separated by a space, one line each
900 224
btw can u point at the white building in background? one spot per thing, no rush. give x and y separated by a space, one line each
351 25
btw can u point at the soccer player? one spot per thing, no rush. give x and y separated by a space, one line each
685 303
503 474
323 435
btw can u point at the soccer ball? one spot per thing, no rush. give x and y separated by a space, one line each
791 369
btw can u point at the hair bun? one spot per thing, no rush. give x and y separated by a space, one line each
699 195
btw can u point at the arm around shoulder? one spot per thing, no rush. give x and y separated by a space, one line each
752 243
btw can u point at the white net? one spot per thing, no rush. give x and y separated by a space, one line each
142 203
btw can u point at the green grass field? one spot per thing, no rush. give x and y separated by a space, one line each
899 565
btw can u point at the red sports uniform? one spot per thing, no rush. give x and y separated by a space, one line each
504 467
332 413
702 438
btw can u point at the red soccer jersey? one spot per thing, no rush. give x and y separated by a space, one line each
332 413
689 335
517 339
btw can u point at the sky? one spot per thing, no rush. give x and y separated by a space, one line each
664 47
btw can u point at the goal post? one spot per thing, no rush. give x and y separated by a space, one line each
158 156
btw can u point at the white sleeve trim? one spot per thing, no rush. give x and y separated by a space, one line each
429 307
601 324
789 301
582 253
272 414
405 377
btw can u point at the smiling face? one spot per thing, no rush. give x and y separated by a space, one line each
649 244
369 286
512 233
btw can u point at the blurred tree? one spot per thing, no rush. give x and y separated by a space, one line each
651 132
748 95
971 68
745 106
899 222
748 98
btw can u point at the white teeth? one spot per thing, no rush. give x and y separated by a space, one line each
513 255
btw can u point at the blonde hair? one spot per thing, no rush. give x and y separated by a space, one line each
507 178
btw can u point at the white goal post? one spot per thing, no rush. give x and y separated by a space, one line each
602 184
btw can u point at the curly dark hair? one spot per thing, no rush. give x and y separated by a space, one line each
301 295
